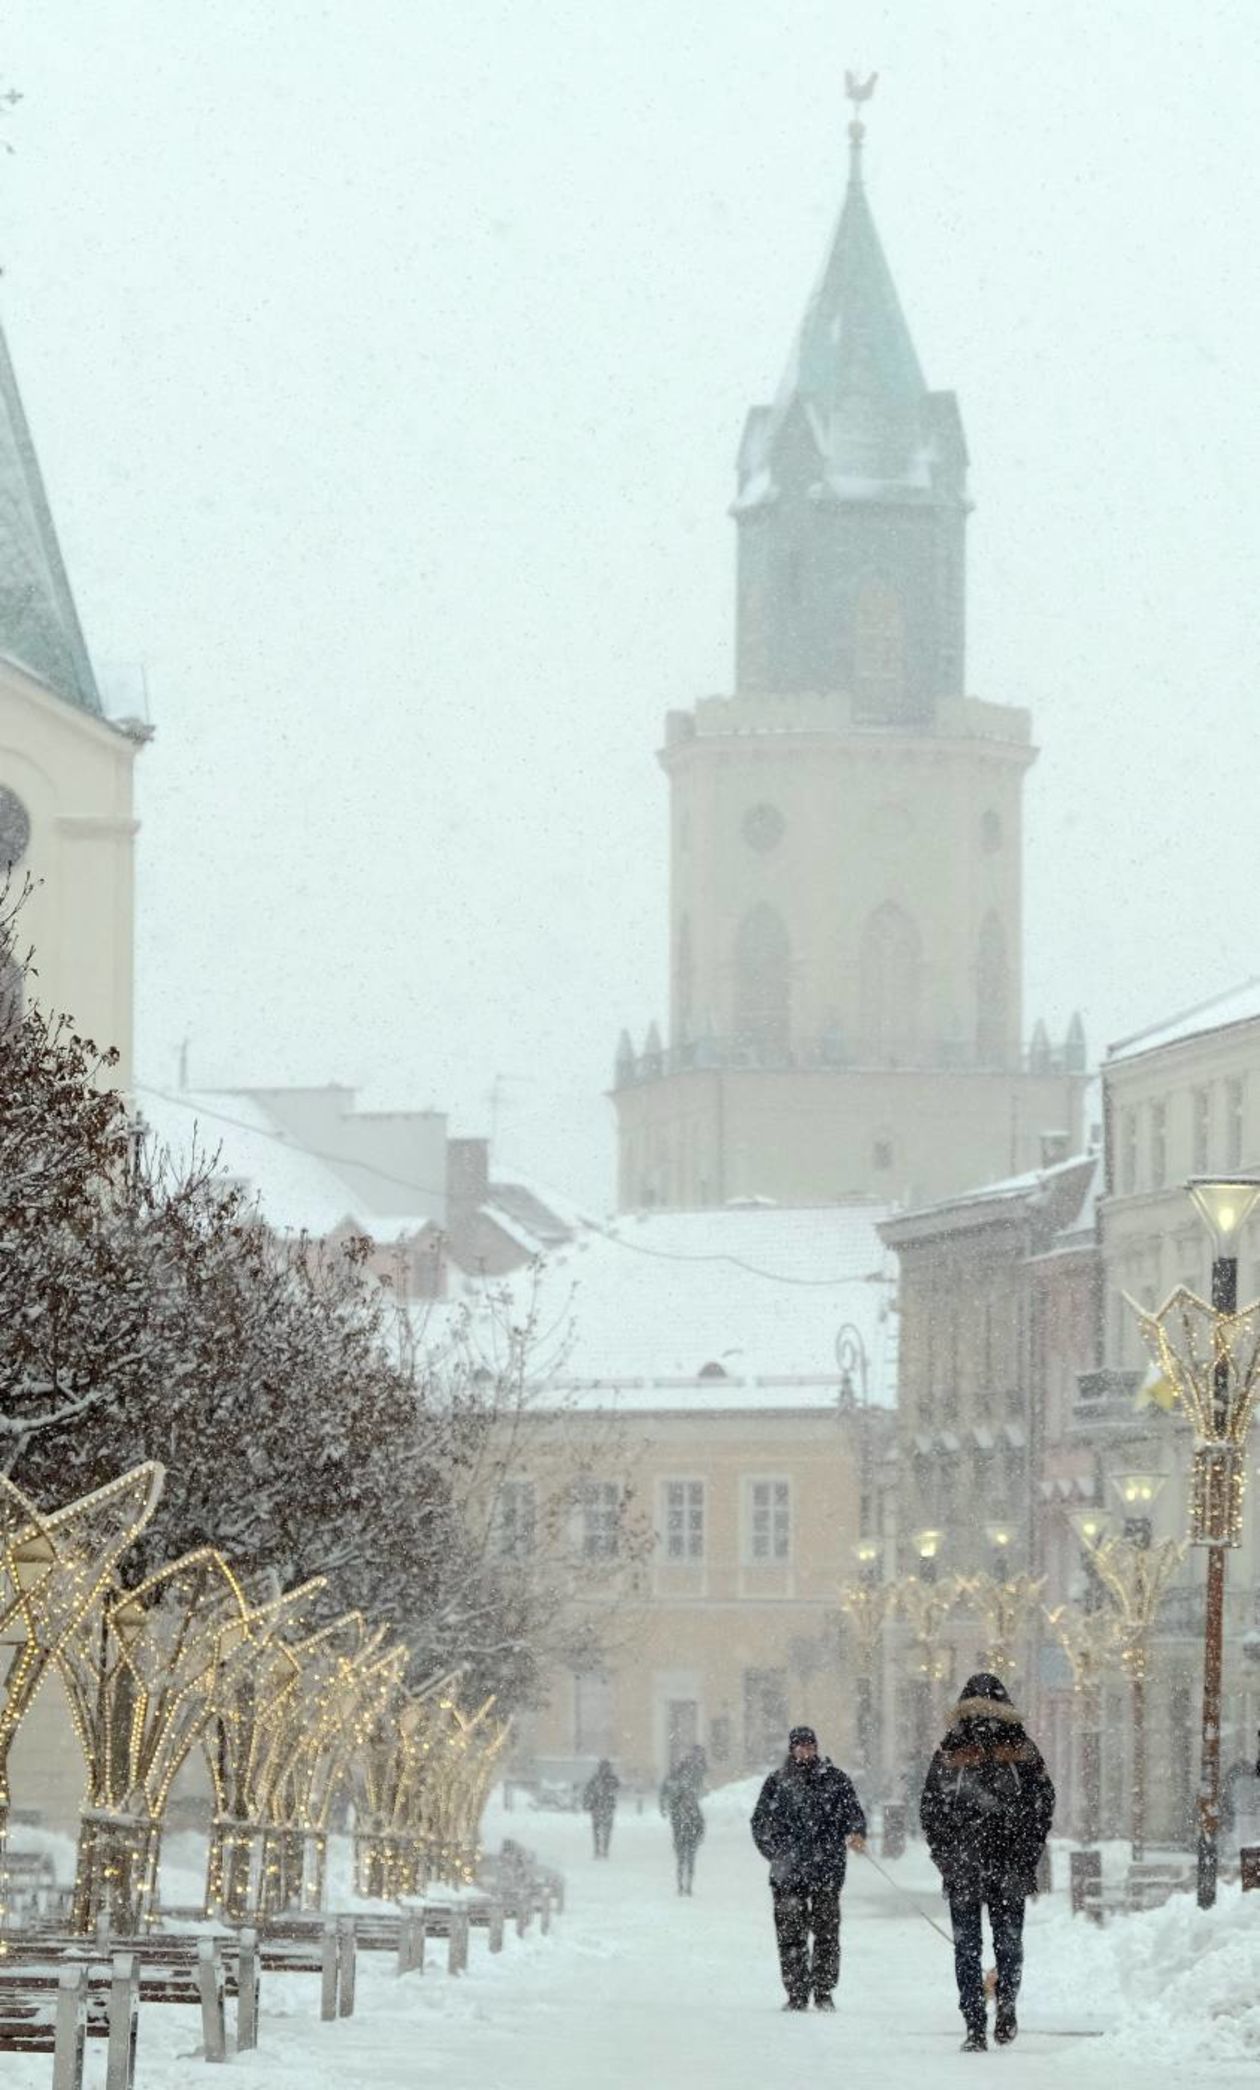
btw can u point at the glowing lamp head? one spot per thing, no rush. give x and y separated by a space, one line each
1137 1491
867 1552
1225 1204
999 1536
1090 1525
927 1544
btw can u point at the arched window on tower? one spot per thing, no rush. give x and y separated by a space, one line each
992 995
684 983
891 971
879 650
763 956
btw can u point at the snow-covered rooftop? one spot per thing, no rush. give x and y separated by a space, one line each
737 1308
296 1191
1239 1004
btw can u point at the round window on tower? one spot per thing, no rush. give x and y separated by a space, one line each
15 830
991 830
763 827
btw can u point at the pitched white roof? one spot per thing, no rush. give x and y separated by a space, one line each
296 1191
1239 1004
630 1314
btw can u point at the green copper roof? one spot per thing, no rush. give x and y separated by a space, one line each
853 394
854 341
39 625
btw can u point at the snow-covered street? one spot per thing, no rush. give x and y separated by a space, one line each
636 1989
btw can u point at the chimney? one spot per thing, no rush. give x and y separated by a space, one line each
467 1175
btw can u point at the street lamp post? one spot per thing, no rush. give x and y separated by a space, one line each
926 1603
866 1603
1135 1574
1087 1638
1006 1603
1211 1356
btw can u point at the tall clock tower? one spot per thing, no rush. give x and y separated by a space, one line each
846 828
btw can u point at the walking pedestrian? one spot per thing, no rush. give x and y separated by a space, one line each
986 1811
807 1817
600 1802
680 1801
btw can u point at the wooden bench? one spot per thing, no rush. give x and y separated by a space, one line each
53 2007
202 1971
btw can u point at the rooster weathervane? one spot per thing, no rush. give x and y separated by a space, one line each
858 90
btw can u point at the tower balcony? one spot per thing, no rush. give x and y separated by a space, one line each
833 1053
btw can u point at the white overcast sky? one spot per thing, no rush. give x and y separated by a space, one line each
387 362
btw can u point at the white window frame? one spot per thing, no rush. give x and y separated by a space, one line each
600 1506
516 1537
1235 1120
776 1506
686 1519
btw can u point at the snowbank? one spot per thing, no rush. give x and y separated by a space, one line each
1177 1981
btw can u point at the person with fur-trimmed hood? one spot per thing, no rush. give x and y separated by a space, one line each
807 1817
986 1811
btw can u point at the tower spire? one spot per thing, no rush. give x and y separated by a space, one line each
857 91
845 481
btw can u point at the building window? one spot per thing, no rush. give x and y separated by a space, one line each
770 1520
991 994
684 983
1159 1145
516 1520
1128 1151
1201 1131
882 1153
601 1519
684 1520
1233 1124
890 972
763 971
879 665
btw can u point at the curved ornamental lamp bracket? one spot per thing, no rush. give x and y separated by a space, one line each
1212 1361
54 1572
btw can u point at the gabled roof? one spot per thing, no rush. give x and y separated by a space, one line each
296 1191
39 625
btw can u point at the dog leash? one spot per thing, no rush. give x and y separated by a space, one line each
905 1891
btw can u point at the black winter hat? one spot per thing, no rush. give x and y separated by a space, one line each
802 1734
985 1685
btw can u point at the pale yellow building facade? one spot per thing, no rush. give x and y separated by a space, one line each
731 1630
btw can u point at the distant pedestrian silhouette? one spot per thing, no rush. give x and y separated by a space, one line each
600 1802
680 1802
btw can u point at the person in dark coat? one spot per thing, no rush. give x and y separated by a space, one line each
986 1811
600 1802
807 1817
680 1801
